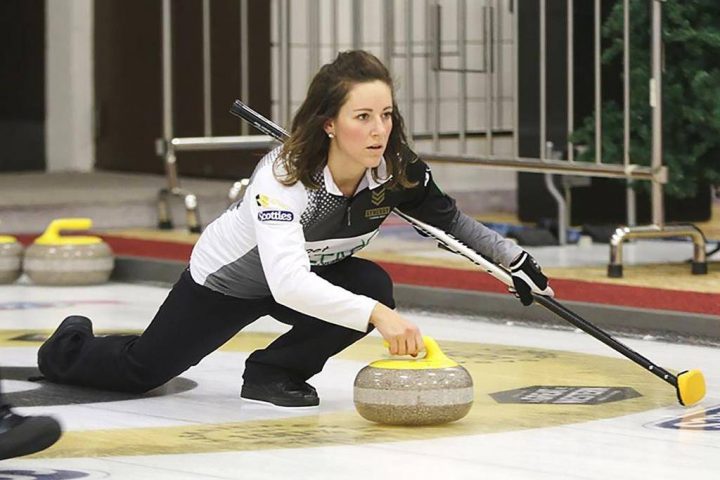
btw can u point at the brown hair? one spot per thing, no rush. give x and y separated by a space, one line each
305 152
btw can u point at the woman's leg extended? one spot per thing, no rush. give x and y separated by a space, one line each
191 323
302 352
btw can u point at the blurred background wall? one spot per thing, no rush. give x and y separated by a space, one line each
82 82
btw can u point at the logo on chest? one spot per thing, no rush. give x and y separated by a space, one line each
375 213
377 197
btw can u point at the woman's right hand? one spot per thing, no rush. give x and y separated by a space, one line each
403 336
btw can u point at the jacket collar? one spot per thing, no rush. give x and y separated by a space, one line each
367 181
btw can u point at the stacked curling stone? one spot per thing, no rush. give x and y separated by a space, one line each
426 391
11 252
71 260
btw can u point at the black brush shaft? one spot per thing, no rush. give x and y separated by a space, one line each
591 329
258 121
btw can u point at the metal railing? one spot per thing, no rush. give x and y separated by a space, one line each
169 145
657 229
430 65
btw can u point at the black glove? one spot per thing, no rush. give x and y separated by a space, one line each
528 278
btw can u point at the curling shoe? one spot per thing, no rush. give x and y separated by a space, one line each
55 355
20 435
287 393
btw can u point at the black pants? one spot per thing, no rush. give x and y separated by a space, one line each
194 321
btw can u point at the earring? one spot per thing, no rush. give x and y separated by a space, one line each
331 135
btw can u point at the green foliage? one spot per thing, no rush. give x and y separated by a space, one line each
691 93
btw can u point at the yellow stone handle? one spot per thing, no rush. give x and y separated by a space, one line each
7 239
432 350
52 236
434 358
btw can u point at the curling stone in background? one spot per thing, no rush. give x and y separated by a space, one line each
425 391
71 260
11 253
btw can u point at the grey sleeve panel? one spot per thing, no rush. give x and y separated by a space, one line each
487 242
244 275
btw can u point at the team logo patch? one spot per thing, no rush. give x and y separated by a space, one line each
276 216
377 197
265 201
707 419
375 213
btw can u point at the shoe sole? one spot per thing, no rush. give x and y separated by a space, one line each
281 407
284 407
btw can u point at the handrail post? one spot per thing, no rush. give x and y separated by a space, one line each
658 229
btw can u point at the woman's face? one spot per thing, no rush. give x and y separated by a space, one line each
362 126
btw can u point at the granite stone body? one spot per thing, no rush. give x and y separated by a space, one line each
11 254
427 396
69 264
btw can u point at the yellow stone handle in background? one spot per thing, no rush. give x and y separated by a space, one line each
434 358
7 239
52 236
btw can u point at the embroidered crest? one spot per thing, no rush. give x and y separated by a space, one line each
378 196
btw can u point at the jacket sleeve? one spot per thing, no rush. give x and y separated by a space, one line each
426 202
276 211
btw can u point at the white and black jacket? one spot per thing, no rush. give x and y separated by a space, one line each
266 243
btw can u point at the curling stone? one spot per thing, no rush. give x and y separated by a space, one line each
426 391
11 252
71 260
